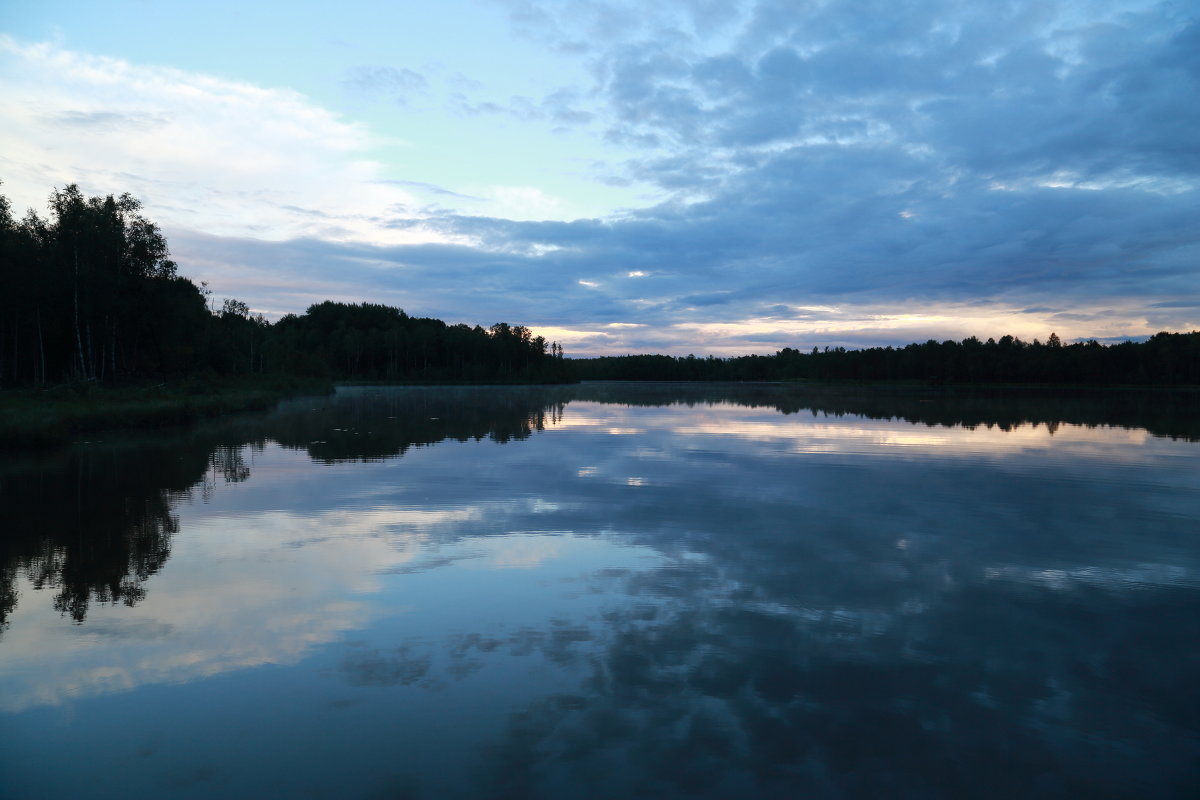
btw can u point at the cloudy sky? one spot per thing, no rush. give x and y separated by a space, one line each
704 176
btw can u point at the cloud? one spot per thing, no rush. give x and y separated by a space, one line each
393 82
203 153
894 163
595 308
108 120
280 624
433 188
933 156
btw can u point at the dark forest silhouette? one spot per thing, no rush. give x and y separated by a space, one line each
1167 358
90 293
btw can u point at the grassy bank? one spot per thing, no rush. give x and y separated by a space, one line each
58 415
466 382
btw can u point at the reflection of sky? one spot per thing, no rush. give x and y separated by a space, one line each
503 572
251 583
902 438
243 591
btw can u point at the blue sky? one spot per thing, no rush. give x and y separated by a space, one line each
709 177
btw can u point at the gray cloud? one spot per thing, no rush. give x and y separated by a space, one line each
1043 155
564 106
108 120
397 83
433 188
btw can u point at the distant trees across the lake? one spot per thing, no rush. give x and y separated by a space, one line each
1167 358
90 293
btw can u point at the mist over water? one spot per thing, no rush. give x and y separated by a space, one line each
611 591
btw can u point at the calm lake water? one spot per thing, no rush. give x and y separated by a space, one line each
611 591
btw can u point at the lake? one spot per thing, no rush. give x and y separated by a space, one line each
604 591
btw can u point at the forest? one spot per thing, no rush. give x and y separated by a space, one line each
91 294
1165 359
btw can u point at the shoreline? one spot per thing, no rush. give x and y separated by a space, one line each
34 419
44 418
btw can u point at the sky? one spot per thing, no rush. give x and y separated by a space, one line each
678 177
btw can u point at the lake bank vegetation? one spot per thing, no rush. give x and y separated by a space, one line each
1166 359
43 417
98 329
91 294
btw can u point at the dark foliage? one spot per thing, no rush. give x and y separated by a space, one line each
90 294
1166 359
366 341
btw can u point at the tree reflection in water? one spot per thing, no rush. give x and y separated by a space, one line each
94 522
787 652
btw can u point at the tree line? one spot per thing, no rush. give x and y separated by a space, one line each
90 293
1166 358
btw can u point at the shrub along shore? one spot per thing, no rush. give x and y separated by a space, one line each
99 331
33 418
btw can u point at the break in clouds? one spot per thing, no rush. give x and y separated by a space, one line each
819 173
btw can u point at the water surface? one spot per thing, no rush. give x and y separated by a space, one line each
611 591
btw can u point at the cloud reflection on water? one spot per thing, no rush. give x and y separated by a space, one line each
732 601
244 591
